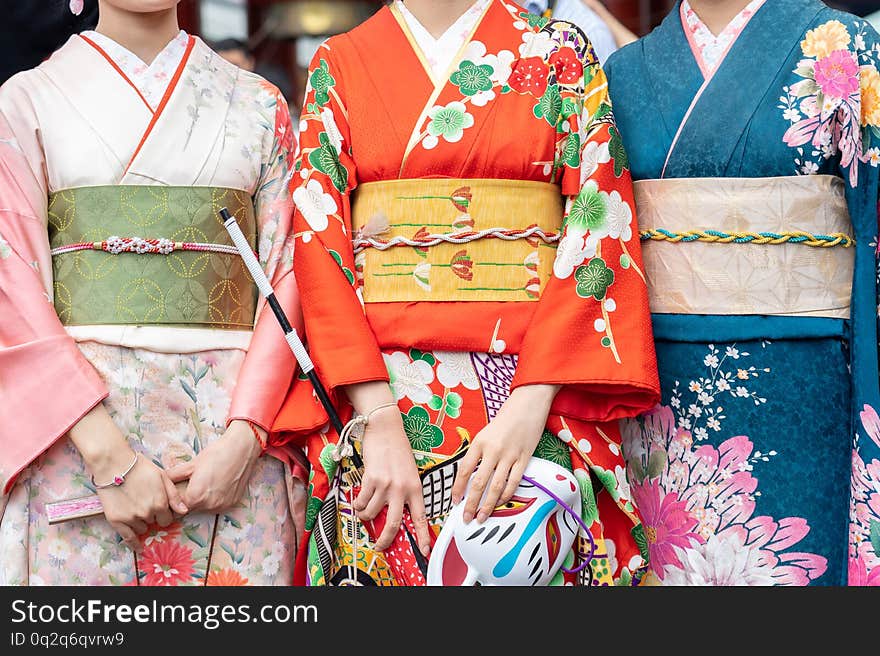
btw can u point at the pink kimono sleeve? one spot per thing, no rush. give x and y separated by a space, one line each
269 365
46 384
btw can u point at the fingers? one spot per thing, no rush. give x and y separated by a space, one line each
138 526
164 517
368 489
478 483
465 468
128 537
181 472
175 500
195 500
513 479
416 503
493 492
392 524
373 506
194 495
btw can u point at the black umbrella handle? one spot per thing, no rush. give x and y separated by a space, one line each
290 335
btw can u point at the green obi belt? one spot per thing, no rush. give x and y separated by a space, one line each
150 255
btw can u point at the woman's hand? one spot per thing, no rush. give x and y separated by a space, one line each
219 474
390 477
147 496
501 451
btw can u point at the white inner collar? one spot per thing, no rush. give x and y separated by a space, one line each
150 79
441 51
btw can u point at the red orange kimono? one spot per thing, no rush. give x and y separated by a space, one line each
458 238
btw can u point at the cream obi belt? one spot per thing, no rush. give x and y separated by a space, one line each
442 239
150 255
770 246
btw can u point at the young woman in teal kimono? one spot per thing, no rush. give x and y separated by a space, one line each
755 149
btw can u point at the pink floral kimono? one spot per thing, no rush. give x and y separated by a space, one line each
115 287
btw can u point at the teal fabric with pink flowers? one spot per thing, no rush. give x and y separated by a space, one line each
761 466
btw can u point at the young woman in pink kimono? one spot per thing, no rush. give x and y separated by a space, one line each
129 354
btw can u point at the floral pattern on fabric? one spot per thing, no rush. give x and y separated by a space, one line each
169 407
150 79
835 108
824 371
864 539
556 65
711 47
544 77
441 395
698 499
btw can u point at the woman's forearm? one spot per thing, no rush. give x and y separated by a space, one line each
101 444
534 398
366 396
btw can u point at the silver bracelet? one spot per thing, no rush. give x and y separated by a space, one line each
119 479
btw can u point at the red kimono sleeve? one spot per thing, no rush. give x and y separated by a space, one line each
341 341
591 332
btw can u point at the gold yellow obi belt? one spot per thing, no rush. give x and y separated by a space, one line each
770 246
150 256
443 239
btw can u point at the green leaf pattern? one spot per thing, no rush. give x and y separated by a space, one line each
325 158
322 82
550 105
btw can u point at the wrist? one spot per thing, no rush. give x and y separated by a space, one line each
383 416
537 397
365 397
100 443
253 436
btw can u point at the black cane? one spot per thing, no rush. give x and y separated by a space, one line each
293 340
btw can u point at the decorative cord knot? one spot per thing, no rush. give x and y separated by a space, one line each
353 430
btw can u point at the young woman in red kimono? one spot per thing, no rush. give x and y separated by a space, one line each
471 280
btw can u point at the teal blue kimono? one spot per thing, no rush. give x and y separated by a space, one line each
762 463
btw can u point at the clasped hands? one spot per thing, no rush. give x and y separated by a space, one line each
217 476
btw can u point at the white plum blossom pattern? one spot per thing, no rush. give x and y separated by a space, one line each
592 156
456 369
708 389
500 63
535 44
574 248
316 205
409 378
617 218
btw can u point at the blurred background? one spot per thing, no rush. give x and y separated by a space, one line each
277 38
284 34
